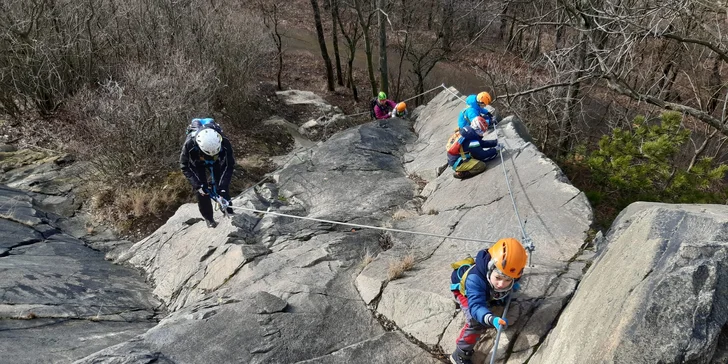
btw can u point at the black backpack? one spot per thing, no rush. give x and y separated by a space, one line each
372 104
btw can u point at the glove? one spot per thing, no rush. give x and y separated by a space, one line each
202 191
516 287
499 323
499 147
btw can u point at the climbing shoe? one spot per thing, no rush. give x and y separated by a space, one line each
211 223
440 169
461 356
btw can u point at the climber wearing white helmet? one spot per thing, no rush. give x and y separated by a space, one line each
207 150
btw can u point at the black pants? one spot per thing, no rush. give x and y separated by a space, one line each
204 203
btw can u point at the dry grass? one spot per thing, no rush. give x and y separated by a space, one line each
397 269
147 203
366 259
402 214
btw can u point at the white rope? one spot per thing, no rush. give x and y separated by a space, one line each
524 236
362 225
497 335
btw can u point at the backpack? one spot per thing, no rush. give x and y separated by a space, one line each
455 147
199 124
372 104
461 268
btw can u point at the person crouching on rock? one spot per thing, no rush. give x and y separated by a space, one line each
466 149
207 150
483 282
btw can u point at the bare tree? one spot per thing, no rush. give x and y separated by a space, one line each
350 31
365 21
383 66
270 19
334 5
322 45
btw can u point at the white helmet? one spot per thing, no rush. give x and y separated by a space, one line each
209 141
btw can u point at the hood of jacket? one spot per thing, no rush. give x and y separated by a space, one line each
481 264
472 101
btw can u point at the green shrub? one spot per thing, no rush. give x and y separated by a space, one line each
643 164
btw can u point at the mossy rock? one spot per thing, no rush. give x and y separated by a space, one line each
23 157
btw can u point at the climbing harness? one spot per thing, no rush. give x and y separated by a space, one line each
222 203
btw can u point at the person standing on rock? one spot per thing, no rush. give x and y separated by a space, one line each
467 151
476 107
207 150
481 283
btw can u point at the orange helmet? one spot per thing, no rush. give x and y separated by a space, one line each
401 107
484 98
509 256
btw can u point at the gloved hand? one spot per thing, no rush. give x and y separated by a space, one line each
500 323
202 191
516 287
499 147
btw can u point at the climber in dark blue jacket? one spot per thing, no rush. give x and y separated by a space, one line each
467 150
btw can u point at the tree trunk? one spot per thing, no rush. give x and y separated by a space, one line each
383 67
572 95
322 45
335 38
447 25
367 46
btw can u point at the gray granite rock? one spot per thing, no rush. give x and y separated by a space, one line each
656 294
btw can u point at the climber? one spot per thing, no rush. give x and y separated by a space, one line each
207 150
476 107
466 149
400 111
480 283
381 107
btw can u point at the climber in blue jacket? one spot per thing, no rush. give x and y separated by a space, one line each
476 107
480 284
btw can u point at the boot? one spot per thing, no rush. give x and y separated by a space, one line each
211 223
460 356
462 174
440 169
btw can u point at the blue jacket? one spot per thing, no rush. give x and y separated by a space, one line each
477 288
473 145
472 111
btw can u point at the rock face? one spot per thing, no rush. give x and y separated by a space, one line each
556 215
273 289
60 300
657 293
48 178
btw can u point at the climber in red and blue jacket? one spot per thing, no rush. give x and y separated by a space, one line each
467 150
483 283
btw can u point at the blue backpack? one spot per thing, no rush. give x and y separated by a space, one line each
199 124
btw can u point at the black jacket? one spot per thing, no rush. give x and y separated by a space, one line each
194 164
